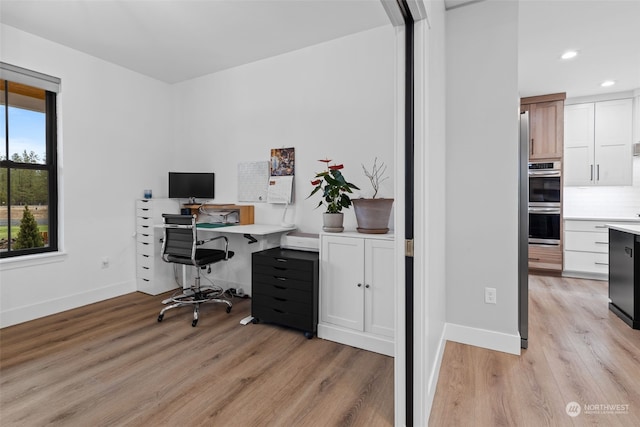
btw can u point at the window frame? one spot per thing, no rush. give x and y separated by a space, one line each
50 166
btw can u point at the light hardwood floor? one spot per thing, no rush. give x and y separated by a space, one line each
112 363
579 351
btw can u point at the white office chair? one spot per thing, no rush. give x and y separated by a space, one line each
180 247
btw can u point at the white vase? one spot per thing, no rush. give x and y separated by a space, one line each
332 222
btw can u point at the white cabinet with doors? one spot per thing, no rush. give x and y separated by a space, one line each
597 143
357 294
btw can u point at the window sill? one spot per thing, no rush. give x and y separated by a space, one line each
31 260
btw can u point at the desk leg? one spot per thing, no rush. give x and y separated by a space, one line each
184 277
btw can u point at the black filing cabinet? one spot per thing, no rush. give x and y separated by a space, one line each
624 276
284 288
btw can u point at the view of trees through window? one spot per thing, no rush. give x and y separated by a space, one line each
25 169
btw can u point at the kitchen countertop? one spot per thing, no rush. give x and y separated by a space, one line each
603 218
633 229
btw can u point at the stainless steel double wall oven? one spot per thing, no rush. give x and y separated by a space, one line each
544 202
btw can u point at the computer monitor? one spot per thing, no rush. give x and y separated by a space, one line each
191 185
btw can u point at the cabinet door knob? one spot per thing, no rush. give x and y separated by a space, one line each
359 285
366 286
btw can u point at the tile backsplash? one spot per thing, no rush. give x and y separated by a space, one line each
604 201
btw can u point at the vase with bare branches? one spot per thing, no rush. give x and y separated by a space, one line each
373 214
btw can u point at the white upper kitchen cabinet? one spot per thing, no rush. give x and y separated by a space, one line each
598 143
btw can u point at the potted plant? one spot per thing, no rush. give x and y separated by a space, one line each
334 190
373 214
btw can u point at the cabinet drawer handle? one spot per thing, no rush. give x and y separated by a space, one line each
279 299
278 311
280 268
279 287
601 263
534 259
601 243
281 260
280 278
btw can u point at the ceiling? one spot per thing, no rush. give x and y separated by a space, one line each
606 34
177 40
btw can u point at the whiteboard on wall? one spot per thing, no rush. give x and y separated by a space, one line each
253 181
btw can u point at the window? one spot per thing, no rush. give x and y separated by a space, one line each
28 164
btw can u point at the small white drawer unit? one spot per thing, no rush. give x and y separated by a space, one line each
586 248
153 275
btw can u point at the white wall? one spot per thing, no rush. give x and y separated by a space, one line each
120 132
482 174
113 138
333 100
430 219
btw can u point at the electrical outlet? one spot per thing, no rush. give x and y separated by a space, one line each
105 262
489 295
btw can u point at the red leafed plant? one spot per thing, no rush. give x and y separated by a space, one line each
333 187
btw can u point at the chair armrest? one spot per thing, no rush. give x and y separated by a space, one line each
226 244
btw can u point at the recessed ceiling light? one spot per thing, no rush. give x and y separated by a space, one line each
569 54
607 83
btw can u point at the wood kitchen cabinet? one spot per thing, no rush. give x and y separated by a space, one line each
598 139
546 258
357 291
546 125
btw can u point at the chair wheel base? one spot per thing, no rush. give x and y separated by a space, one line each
228 309
194 323
160 317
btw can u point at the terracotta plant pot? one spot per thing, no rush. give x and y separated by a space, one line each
332 222
372 215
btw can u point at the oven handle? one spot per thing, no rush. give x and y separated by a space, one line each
535 210
550 174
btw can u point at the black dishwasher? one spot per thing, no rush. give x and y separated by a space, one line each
624 276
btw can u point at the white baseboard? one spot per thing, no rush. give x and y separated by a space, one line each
375 343
492 340
57 305
435 373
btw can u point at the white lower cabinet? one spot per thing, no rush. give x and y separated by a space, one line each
357 295
586 248
153 275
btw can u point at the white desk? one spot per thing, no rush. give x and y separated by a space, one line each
266 237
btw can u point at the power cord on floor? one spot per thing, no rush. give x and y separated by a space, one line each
237 293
